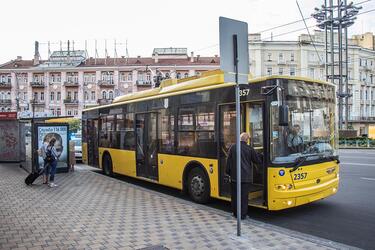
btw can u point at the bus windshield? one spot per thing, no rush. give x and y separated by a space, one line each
311 134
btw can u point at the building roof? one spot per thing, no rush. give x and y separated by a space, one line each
92 62
17 64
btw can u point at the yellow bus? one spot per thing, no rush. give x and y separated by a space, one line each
178 135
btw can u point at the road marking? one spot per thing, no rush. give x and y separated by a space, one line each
358 164
368 179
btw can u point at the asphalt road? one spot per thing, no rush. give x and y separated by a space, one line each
347 217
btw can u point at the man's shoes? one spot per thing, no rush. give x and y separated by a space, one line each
52 185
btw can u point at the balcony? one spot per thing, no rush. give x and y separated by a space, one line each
37 84
5 85
106 83
5 101
37 102
104 101
361 118
71 84
69 101
142 83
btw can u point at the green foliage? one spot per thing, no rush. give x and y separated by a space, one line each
75 125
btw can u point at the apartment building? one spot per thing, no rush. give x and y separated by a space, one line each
69 81
300 58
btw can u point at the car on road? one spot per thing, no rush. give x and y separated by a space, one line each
78 149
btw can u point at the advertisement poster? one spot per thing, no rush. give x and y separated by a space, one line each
60 132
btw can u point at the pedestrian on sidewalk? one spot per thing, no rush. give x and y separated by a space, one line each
42 152
248 156
52 157
72 155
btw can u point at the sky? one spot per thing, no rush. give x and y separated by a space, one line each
147 24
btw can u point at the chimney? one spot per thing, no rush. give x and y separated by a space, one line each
36 53
198 57
156 57
192 57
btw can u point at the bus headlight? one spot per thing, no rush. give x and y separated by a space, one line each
283 187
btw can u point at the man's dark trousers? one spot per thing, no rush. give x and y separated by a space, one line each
244 198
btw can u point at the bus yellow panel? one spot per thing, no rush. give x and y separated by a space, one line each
84 153
305 184
171 169
123 161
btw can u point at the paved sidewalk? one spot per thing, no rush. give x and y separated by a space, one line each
91 211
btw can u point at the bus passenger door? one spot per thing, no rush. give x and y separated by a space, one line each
147 145
92 143
227 137
254 126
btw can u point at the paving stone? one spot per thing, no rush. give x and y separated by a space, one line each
91 211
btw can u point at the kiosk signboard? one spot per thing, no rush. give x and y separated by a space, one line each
60 131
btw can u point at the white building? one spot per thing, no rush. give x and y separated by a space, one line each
69 81
300 58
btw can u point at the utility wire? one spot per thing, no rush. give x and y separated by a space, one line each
298 21
308 31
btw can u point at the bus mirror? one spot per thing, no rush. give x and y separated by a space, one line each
283 115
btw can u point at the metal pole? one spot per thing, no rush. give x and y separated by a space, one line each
346 72
339 41
332 43
238 145
326 36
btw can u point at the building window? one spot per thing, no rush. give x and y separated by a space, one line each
281 71
292 71
69 95
35 96
86 95
148 78
130 77
69 112
178 75
58 97
104 95
110 95
281 57
75 112
107 76
269 71
321 74
52 96
311 72
75 97
292 57
186 75
93 97
122 77
269 57
58 111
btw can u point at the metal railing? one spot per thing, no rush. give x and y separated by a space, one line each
357 143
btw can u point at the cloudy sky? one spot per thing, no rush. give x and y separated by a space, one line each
147 24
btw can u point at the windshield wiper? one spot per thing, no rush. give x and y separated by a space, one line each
301 159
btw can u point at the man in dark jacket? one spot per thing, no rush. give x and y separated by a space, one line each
248 156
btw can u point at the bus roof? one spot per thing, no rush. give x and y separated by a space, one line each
208 80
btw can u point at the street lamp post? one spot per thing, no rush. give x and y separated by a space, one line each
346 15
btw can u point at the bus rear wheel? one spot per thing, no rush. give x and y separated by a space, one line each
107 165
198 186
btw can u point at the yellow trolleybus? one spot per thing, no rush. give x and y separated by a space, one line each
178 135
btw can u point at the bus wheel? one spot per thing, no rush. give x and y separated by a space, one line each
107 165
198 186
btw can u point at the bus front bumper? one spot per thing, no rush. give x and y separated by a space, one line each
283 203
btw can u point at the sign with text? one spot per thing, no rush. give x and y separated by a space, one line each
229 28
8 115
44 133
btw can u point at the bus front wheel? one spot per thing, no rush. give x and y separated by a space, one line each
107 165
198 186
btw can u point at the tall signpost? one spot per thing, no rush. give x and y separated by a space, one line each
234 61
